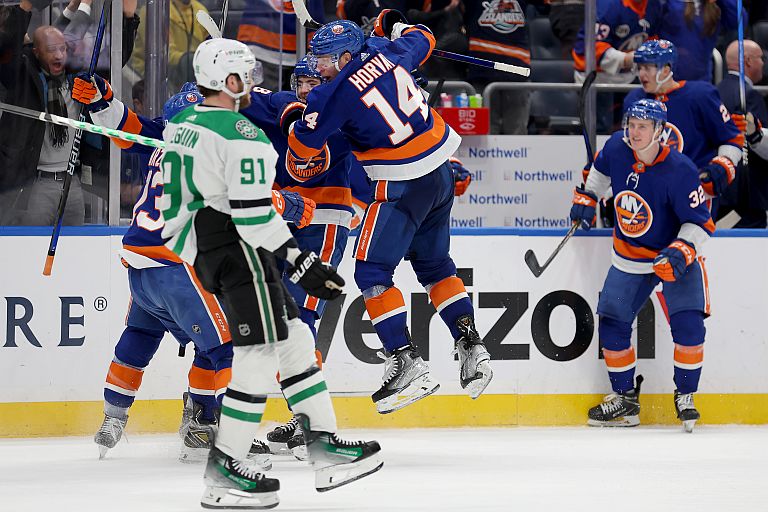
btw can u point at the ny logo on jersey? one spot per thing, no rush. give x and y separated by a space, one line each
633 214
672 137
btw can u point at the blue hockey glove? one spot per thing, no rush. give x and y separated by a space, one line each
717 175
461 176
673 260
584 208
291 113
94 92
293 207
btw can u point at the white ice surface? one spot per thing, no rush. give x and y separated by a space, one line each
717 468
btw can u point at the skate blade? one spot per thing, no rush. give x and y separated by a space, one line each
102 452
688 426
331 477
220 497
476 386
189 455
279 448
300 452
416 390
262 459
624 421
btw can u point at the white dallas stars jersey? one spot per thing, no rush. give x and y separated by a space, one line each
215 157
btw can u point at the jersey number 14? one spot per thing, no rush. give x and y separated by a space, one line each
409 100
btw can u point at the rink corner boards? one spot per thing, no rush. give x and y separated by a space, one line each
43 419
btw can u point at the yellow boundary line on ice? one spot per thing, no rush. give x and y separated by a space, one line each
34 419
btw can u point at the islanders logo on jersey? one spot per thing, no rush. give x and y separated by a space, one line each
503 16
633 214
303 169
672 137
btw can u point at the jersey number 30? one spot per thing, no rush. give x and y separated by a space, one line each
409 100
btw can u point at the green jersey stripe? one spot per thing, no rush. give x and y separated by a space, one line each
253 417
179 247
309 392
265 303
250 221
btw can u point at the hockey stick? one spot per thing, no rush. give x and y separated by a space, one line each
204 19
533 263
82 125
74 153
530 257
223 20
742 80
306 20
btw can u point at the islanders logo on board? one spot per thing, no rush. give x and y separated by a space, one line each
302 169
633 214
672 137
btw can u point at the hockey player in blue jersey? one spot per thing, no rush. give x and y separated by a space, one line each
404 147
661 223
698 124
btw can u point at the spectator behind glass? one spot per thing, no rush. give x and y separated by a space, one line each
269 30
34 155
185 35
566 17
694 26
498 31
748 194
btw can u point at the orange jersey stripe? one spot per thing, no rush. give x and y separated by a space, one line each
446 289
738 140
410 149
200 378
131 125
222 377
326 253
388 301
325 195
366 232
481 45
155 252
707 304
212 306
380 194
300 149
689 355
124 376
254 34
580 62
429 37
626 250
619 358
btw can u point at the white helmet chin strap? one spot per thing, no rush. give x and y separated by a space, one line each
656 137
659 81
238 95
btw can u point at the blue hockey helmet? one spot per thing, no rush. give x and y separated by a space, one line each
658 51
188 95
337 37
645 108
304 69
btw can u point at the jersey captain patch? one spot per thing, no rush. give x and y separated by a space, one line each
302 169
633 214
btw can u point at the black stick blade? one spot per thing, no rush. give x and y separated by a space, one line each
533 263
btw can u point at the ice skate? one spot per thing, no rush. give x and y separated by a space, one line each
260 454
109 433
618 409
278 438
474 360
338 462
186 414
237 484
298 446
198 438
406 380
686 411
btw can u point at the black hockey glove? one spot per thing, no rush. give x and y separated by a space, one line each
386 21
292 112
316 277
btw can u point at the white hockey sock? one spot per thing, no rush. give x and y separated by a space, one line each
240 417
307 393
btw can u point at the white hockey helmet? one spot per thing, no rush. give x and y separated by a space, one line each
216 59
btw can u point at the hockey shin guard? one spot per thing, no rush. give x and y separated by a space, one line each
452 302
387 312
618 352
688 333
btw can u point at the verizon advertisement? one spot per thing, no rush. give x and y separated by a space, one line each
57 333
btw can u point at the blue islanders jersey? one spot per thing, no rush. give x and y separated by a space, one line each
652 202
268 27
622 25
324 178
376 104
697 121
143 245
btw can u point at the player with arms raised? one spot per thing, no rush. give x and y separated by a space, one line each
218 170
661 224
404 147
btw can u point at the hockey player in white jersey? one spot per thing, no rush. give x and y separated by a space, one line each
218 170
